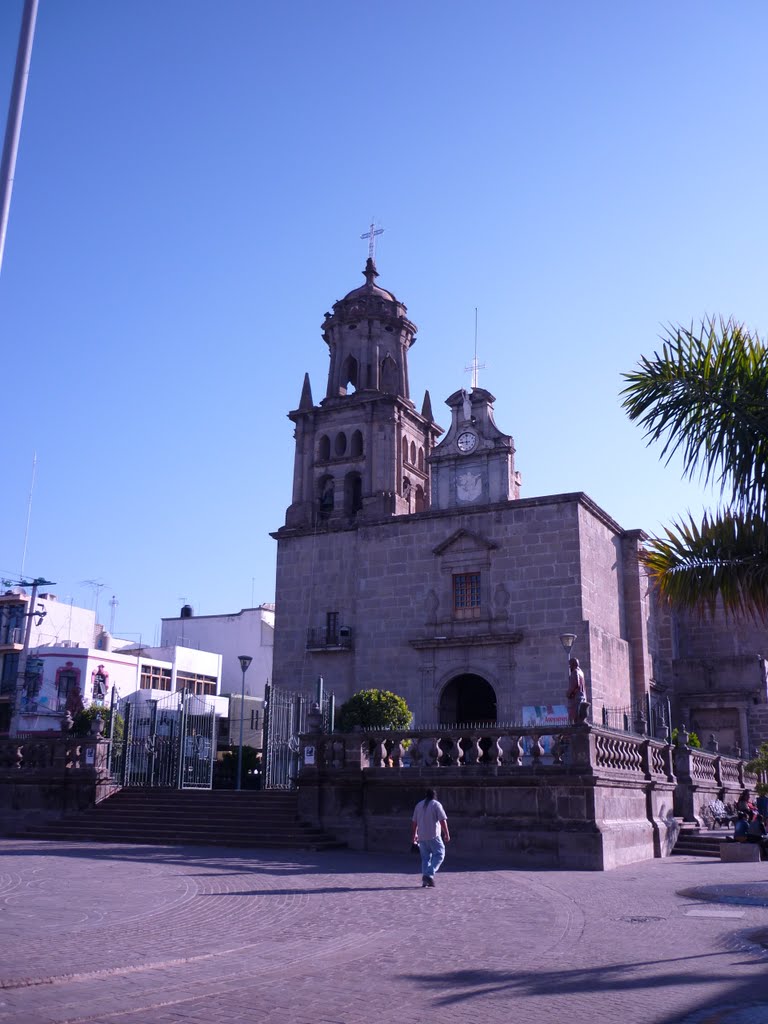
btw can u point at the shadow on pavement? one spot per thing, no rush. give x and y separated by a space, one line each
465 985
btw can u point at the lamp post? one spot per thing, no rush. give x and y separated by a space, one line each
245 660
568 640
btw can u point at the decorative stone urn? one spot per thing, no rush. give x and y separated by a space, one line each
97 726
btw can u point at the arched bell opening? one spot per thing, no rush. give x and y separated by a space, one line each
467 700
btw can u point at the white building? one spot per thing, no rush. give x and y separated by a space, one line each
53 623
69 651
249 631
149 673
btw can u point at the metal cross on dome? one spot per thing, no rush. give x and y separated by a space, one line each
371 234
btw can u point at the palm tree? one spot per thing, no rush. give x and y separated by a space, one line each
706 396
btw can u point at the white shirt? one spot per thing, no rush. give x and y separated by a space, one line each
428 817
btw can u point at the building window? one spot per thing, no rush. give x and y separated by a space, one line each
353 494
325 493
12 624
10 673
67 684
254 719
155 678
201 686
466 595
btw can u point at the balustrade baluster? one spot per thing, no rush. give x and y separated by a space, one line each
379 754
493 753
474 751
516 751
559 747
536 749
397 752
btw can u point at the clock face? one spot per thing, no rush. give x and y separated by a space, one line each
466 442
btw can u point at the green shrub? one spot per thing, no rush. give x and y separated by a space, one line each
373 709
84 718
693 739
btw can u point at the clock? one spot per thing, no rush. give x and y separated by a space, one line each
466 442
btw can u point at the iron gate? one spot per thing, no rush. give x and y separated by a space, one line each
285 718
167 742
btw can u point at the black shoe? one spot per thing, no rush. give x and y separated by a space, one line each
424 881
429 881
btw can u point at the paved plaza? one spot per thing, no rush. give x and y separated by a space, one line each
161 935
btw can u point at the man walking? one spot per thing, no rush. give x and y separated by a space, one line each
429 827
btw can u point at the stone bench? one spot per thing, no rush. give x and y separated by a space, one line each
731 852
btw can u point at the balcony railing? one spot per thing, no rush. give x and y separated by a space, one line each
322 639
11 635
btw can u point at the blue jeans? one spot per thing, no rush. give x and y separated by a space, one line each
432 855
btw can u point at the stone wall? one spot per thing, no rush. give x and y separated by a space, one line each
547 566
582 799
47 778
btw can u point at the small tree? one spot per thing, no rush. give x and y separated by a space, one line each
759 766
373 709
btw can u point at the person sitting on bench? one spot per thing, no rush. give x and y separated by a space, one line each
741 828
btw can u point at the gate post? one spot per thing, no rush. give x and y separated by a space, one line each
126 746
265 755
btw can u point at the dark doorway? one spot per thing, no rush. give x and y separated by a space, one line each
467 699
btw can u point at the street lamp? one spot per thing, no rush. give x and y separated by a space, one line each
245 660
568 640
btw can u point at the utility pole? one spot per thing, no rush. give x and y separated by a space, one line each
15 112
21 678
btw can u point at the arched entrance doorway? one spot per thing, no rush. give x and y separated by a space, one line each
466 699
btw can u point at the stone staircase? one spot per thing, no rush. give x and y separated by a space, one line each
692 842
266 819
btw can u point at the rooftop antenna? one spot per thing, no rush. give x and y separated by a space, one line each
97 589
113 605
29 514
15 113
371 234
474 366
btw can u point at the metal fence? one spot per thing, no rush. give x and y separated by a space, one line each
285 718
648 717
169 742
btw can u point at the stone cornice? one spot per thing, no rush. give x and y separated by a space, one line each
478 640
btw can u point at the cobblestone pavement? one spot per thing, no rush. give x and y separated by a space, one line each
125 934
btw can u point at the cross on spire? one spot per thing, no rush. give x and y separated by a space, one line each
474 366
371 234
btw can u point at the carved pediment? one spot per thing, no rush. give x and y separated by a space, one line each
464 541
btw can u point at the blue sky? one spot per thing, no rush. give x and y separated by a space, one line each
192 182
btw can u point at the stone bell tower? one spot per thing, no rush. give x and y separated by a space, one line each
362 453
474 464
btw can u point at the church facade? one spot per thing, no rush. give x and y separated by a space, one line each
409 560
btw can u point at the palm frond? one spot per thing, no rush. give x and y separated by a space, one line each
724 560
706 396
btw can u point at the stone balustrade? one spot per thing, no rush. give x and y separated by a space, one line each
46 777
492 747
704 776
66 753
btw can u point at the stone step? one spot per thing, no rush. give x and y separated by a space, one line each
157 816
691 843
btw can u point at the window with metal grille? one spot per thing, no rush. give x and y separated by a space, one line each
466 595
